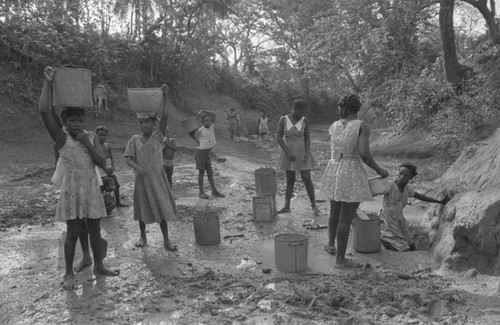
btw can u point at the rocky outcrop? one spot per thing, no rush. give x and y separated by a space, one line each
466 232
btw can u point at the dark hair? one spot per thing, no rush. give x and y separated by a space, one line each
71 111
106 181
351 103
411 167
300 104
101 128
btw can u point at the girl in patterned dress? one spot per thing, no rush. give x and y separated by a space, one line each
345 182
153 198
293 138
394 231
80 200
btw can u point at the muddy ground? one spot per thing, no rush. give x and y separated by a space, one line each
226 283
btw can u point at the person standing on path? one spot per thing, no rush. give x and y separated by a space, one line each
205 139
294 139
345 182
80 202
233 123
153 198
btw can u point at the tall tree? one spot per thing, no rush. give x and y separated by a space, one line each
451 65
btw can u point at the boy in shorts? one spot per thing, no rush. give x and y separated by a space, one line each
205 138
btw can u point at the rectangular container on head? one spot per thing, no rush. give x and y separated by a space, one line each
264 208
145 100
73 88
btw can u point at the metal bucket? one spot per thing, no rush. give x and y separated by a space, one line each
145 100
206 228
366 234
265 182
73 88
290 252
190 124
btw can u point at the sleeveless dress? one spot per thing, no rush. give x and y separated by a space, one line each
76 176
294 139
394 230
345 178
153 198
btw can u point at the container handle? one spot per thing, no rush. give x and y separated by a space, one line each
296 244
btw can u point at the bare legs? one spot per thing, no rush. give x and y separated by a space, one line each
84 242
290 184
74 229
164 230
339 225
210 176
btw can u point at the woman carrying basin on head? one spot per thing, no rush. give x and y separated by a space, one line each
345 182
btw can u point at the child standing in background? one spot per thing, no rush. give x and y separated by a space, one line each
80 200
153 199
205 138
102 134
169 150
233 123
263 125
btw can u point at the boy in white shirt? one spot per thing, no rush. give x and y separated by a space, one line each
205 138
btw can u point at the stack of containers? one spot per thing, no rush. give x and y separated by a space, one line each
264 204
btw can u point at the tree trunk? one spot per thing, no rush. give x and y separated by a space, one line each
451 65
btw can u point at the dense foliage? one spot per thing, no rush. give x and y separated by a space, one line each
266 53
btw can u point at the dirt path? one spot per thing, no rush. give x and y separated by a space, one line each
222 284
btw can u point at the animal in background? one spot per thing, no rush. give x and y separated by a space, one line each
100 96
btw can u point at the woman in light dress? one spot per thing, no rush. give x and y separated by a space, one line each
345 182
293 138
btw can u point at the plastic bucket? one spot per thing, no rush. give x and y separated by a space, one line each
366 234
290 252
378 186
265 182
190 124
206 228
145 100
73 88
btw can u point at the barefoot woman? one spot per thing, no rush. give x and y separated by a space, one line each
344 181
293 138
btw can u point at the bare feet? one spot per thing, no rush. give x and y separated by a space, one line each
86 261
101 269
284 210
69 282
169 247
218 194
141 242
344 263
203 195
316 210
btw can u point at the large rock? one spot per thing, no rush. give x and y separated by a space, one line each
466 233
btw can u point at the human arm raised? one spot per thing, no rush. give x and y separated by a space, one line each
364 150
49 117
164 113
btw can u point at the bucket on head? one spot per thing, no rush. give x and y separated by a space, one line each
73 88
366 234
145 100
290 252
206 228
265 182
190 124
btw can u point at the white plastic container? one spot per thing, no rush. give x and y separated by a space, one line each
378 186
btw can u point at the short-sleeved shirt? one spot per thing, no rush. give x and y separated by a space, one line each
206 137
